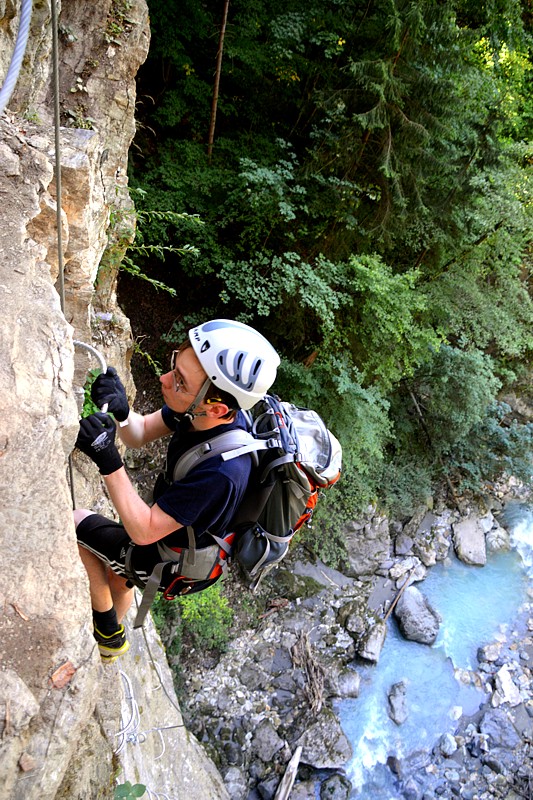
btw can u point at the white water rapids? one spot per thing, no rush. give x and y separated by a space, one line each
478 605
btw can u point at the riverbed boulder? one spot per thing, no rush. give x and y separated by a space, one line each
498 538
432 539
266 742
469 541
499 729
336 787
341 681
409 570
418 621
349 682
305 790
324 744
368 543
371 643
397 702
505 689
489 652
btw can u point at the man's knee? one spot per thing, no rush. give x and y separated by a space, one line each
117 582
81 513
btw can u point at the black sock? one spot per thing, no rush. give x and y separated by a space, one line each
106 621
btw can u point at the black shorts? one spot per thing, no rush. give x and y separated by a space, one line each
109 541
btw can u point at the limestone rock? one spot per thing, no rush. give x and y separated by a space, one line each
61 710
236 783
149 749
490 652
430 542
324 744
469 541
20 706
505 691
448 745
371 643
44 589
367 547
498 538
500 731
418 621
336 787
305 790
349 683
409 568
266 741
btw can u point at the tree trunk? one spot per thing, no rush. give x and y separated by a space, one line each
218 70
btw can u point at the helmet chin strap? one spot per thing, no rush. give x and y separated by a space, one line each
189 414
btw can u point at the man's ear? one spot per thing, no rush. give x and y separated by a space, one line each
216 409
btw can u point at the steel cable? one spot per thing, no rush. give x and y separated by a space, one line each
18 54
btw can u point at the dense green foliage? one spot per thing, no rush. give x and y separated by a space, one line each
366 205
201 620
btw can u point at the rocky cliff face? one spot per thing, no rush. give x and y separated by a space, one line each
65 721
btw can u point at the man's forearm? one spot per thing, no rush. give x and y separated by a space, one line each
144 524
133 434
142 429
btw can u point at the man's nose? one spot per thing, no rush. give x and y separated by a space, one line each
166 379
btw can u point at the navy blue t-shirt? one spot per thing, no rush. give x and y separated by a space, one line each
209 495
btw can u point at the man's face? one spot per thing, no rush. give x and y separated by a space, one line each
181 385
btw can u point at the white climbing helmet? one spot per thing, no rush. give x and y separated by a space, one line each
236 358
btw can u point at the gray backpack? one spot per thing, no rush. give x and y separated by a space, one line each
295 456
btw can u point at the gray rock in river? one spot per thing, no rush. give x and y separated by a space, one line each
397 704
418 621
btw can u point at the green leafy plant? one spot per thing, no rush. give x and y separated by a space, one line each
89 406
154 365
128 791
127 242
118 21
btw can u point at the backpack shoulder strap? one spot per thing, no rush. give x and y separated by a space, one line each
230 444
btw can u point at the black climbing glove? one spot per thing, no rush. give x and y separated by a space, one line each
108 388
97 440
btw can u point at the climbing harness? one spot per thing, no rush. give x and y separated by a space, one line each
18 54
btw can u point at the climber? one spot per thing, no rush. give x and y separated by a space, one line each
222 367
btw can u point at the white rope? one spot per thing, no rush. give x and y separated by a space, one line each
129 731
